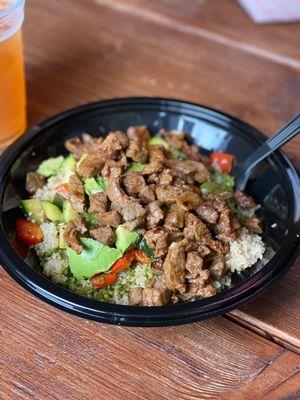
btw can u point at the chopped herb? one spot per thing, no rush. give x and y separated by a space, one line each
218 183
145 248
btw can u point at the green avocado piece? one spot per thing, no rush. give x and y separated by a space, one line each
51 166
136 167
125 238
61 243
95 185
218 183
94 258
52 212
58 201
34 210
69 164
158 141
68 213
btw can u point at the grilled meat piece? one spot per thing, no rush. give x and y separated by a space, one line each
104 235
98 203
34 181
74 230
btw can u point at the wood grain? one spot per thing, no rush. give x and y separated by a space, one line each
222 21
276 313
48 354
204 51
126 55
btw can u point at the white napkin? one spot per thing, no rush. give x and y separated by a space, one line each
272 11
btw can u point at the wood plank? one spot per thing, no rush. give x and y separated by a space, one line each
117 60
222 21
276 313
48 354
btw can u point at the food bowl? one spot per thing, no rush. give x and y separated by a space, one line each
275 185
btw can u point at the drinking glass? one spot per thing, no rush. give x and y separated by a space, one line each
12 77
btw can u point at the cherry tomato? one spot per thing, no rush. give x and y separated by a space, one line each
28 232
222 161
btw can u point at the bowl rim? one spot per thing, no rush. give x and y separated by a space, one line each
175 314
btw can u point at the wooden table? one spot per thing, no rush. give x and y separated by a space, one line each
204 51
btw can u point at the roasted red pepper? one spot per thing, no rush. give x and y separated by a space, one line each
123 263
120 265
28 232
101 280
222 161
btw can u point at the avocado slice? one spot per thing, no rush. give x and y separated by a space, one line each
136 167
158 141
52 212
69 164
125 238
94 258
61 243
51 166
58 201
34 210
94 185
68 213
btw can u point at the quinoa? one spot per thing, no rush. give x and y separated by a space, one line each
245 251
50 242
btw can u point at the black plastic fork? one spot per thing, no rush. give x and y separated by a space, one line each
243 171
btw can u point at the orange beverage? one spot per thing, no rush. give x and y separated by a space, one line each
12 80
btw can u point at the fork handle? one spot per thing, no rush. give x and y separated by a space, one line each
285 134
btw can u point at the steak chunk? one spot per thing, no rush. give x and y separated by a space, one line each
104 235
167 195
135 223
134 183
253 224
155 297
34 181
147 195
138 146
175 217
114 191
88 145
111 218
132 210
154 167
139 134
91 166
155 214
113 144
243 200
217 268
166 177
188 167
73 231
208 213
98 203
135 297
194 229
157 240
76 193
137 152
174 268
224 228
194 263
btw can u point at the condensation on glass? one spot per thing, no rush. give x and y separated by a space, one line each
12 79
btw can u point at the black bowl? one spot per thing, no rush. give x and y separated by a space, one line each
275 185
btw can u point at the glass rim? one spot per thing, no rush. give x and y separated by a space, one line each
14 7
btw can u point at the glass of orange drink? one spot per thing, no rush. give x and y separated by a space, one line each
12 77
